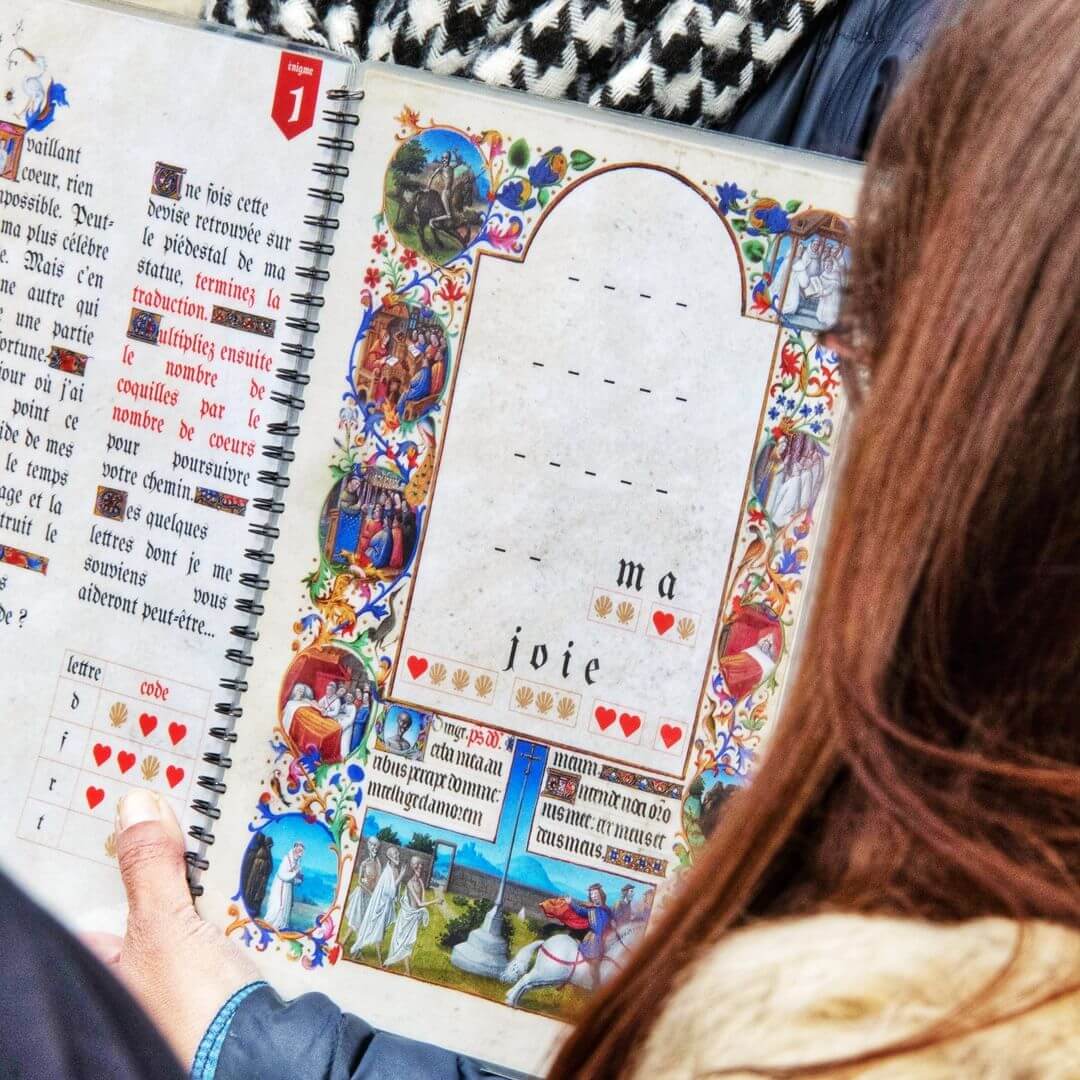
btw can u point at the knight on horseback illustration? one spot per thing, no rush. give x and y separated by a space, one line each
563 960
593 916
442 208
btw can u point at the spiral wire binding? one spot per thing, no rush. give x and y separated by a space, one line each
331 174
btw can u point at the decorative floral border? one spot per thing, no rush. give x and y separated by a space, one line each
769 562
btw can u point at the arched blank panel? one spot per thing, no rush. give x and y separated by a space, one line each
607 394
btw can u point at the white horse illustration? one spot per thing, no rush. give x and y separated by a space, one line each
559 962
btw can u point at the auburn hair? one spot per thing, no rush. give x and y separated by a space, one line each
926 760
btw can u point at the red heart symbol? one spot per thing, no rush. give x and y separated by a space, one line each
147 721
670 734
125 759
334 954
101 753
663 621
417 666
94 795
177 732
604 717
174 774
629 723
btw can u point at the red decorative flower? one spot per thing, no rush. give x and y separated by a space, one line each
408 258
759 298
451 291
757 517
378 242
371 277
790 360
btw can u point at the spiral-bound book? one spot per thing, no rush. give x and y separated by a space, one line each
420 486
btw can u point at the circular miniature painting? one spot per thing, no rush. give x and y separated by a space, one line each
437 192
288 875
326 702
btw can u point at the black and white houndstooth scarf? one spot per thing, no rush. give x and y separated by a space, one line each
684 60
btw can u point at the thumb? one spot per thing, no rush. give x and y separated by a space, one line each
150 851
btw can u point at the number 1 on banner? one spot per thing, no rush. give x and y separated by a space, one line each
298 103
296 93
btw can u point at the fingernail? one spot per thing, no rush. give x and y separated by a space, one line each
137 807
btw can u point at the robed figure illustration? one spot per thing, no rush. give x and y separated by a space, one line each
379 912
288 876
412 914
255 871
367 876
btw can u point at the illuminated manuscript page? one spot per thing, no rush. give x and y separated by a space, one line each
558 490
149 215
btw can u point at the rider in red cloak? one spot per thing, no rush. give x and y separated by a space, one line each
595 915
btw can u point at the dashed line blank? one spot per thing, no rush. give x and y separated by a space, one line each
536 363
555 464
644 296
589 473
534 558
679 303
661 491
522 456
644 389
571 371
610 288
610 382
677 398
572 278
628 483
503 550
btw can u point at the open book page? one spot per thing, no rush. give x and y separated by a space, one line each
150 212
558 495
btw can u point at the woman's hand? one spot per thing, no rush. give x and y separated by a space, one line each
179 968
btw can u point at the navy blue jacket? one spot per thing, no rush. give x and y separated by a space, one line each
61 1013
828 96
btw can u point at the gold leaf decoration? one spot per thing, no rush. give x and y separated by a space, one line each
118 714
544 701
150 767
437 673
603 606
460 679
686 628
110 845
625 612
566 708
483 686
524 697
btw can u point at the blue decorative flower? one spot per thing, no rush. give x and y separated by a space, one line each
819 408
517 195
729 195
789 563
550 169
355 773
805 410
774 412
815 427
774 219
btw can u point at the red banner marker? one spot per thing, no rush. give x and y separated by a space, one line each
296 94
